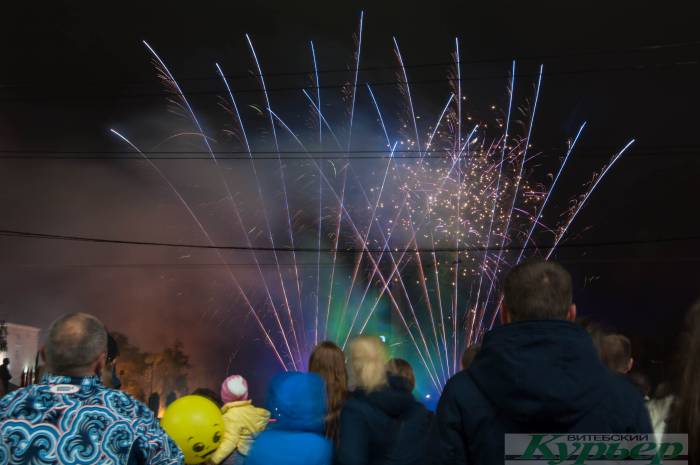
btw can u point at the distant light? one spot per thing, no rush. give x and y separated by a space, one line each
383 338
427 396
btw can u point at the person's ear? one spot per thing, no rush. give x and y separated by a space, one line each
42 353
630 365
100 363
571 313
505 314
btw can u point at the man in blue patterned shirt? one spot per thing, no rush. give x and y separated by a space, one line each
71 418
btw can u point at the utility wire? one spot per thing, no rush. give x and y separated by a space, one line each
349 250
313 264
21 154
232 77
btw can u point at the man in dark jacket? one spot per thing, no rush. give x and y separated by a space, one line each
537 373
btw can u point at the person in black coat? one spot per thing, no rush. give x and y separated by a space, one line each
381 423
5 377
538 373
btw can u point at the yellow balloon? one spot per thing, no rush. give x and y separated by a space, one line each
196 425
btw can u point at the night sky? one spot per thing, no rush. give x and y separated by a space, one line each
69 72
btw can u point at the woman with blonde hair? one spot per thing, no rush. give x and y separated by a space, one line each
381 422
368 360
328 361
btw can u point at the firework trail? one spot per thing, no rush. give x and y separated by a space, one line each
427 237
267 223
317 82
204 231
283 181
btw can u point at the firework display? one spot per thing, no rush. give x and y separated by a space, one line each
422 226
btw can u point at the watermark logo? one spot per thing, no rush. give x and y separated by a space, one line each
598 449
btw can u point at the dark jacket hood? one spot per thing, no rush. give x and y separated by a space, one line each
297 402
393 400
535 370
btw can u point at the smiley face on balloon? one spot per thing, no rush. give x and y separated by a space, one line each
205 442
196 425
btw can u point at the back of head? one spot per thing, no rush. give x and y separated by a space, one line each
616 352
367 363
74 343
206 393
538 290
328 361
468 356
401 368
685 417
234 389
297 402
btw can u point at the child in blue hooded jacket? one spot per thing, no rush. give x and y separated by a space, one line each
297 404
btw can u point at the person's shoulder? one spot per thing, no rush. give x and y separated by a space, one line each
274 446
419 412
355 400
315 442
126 406
622 399
245 411
249 408
624 390
460 378
358 406
461 391
10 398
18 394
460 382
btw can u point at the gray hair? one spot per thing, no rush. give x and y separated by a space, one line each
538 290
74 341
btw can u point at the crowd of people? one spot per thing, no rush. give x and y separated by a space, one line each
541 370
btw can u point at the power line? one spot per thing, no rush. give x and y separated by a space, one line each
350 250
147 95
23 154
638 49
349 157
654 259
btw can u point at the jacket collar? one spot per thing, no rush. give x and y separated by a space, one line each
85 382
238 403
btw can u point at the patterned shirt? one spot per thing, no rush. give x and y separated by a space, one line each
65 420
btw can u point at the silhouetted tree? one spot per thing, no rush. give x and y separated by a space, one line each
143 373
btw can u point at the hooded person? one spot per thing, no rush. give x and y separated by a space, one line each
242 420
295 435
381 423
537 373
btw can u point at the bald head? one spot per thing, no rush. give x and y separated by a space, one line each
76 345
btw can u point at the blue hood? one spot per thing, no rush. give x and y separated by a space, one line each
540 369
297 402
